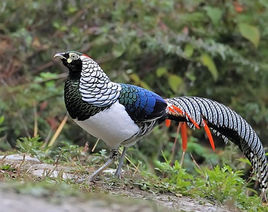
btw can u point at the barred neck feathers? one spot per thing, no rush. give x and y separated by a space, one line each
76 107
95 87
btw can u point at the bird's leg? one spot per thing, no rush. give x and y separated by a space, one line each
263 196
121 161
113 156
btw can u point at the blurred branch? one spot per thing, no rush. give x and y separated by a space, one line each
43 67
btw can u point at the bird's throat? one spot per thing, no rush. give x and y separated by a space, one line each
75 76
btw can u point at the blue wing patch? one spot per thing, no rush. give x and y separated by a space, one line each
140 103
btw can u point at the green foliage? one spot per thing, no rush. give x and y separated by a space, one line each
207 61
140 42
214 13
224 184
175 176
30 146
219 184
2 129
250 32
64 151
7 167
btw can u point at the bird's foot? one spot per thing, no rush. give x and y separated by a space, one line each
92 178
84 180
121 161
113 156
118 174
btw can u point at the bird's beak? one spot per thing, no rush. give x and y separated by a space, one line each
59 55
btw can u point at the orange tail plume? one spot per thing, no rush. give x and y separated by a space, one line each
170 109
194 123
210 138
168 122
177 109
191 120
184 136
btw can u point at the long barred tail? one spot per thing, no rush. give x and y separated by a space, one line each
224 122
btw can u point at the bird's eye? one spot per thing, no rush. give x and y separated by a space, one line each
73 56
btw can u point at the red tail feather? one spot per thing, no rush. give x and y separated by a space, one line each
174 109
178 109
191 120
194 123
168 122
184 136
210 138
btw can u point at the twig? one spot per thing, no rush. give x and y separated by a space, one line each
3 158
20 165
127 158
47 138
43 67
58 131
95 145
182 158
35 120
195 161
174 146
137 169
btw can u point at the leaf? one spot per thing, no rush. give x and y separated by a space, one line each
118 50
244 160
214 14
161 71
209 63
135 78
2 118
174 82
188 50
139 82
71 9
134 49
250 32
100 41
48 75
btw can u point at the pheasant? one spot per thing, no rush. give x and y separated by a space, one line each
121 114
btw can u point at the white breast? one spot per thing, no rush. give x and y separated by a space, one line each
113 125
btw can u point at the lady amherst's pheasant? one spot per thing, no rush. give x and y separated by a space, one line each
121 114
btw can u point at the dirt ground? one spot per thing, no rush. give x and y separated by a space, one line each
105 197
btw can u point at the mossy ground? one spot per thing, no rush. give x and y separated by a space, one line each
56 187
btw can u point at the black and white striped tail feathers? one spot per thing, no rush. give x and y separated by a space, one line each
226 123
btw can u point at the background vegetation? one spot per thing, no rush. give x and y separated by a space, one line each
213 49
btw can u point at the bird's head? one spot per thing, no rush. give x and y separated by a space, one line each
72 60
81 66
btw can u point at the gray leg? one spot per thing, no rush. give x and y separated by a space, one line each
263 195
113 156
121 161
